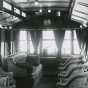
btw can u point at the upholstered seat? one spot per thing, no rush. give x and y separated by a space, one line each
24 62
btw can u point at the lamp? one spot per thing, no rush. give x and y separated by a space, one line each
16 10
7 5
85 24
81 26
40 10
58 13
23 14
49 11
36 2
0 26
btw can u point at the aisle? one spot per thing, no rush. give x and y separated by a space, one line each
47 82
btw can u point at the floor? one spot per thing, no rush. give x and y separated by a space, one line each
47 82
48 79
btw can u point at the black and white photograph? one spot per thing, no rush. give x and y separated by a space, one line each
43 43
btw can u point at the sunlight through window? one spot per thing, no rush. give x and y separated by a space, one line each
2 49
67 35
67 44
31 48
23 46
7 5
23 35
23 41
49 44
66 47
48 35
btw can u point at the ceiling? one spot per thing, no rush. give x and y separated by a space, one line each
30 5
80 12
69 7
8 19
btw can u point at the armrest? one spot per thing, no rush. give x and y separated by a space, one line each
37 70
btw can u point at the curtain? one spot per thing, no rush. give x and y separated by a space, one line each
80 40
8 41
0 43
82 36
16 34
35 36
59 37
12 42
79 37
0 48
86 41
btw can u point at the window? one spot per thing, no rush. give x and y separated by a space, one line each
7 5
31 48
48 43
66 47
23 14
70 43
30 44
2 49
17 11
23 46
23 41
23 35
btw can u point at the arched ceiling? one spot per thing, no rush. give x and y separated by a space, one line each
76 10
30 5
80 12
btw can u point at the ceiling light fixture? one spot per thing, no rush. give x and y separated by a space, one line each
0 26
23 14
81 26
85 23
5 27
40 10
7 5
49 11
36 2
58 13
10 27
